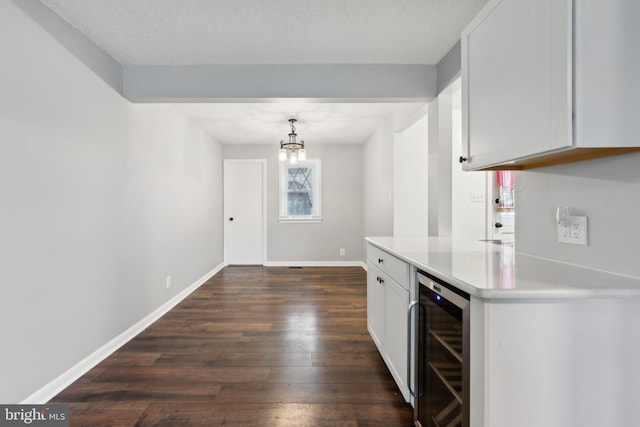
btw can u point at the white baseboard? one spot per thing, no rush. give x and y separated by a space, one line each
314 264
51 389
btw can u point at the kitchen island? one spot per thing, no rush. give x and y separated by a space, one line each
551 344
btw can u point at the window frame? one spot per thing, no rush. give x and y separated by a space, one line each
283 202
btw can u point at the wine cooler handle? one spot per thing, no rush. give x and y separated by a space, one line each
409 336
424 352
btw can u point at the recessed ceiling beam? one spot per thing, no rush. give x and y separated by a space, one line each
256 83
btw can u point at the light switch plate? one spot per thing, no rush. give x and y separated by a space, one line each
477 197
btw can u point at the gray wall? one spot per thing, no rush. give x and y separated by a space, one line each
233 83
448 69
100 201
341 206
100 62
605 190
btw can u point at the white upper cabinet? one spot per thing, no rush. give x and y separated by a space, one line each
549 81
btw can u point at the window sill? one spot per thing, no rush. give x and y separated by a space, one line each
300 220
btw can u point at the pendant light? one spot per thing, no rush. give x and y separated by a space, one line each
292 150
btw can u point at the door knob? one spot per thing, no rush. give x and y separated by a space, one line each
231 219
498 224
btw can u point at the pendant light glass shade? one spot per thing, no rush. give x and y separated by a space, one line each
293 158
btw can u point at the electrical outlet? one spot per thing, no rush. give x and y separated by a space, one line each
342 252
575 232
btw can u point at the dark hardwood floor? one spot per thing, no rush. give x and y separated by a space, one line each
254 346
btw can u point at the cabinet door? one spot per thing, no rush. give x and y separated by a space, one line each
397 344
606 73
516 81
375 307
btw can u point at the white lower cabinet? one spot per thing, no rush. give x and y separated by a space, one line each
396 324
375 308
388 280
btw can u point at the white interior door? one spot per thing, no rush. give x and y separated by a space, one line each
244 211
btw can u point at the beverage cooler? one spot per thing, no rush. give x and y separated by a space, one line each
441 369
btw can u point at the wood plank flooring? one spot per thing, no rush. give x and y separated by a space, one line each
254 346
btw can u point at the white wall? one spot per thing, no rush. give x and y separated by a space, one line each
101 200
341 225
440 178
377 217
411 180
378 182
444 206
605 190
468 218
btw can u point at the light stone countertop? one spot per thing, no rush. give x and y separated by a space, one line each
496 271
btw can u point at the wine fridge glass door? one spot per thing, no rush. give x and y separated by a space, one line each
442 361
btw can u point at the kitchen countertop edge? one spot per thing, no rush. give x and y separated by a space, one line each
546 290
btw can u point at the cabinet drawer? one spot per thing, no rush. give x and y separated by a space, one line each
397 269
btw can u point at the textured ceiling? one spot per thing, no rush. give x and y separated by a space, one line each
267 123
188 32
210 32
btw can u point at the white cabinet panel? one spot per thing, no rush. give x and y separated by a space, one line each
396 324
521 85
387 311
569 369
607 66
375 307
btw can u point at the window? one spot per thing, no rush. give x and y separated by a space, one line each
300 191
